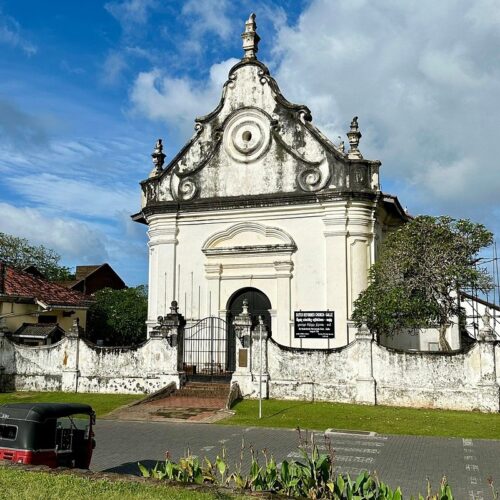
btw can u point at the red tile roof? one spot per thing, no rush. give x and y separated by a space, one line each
17 283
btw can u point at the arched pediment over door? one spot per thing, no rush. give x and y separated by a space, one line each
250 254
249 237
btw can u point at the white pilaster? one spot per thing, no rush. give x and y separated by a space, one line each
162 265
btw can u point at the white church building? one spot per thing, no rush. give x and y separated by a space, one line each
261 235
260 205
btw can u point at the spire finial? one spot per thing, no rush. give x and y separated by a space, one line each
250 38
158 159
354 135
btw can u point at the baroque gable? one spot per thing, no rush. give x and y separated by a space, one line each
256 143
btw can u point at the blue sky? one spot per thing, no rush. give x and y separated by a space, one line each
86 88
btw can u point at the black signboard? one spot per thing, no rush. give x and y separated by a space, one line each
314 324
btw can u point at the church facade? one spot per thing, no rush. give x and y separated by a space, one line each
261 206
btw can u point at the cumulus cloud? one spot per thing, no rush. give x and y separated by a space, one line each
11 34
424 80
178 101
73 240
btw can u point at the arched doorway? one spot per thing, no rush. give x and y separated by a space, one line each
258 305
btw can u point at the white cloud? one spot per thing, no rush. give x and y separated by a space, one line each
178 101
210 16
130 13
76 196
11 34
113 66
73 240
424 81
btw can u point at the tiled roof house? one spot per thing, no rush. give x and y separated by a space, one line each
36 311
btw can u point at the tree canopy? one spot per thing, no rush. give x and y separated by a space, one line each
19 253
118 317
420 268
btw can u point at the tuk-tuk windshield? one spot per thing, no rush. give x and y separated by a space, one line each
8 432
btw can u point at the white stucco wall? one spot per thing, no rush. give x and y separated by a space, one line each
362 372
327 268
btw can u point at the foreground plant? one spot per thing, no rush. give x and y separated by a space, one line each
311 477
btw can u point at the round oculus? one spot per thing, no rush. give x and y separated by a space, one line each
247 136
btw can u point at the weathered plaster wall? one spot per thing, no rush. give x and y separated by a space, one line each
144 369
365 372
75 365
431 380
321 375
362 372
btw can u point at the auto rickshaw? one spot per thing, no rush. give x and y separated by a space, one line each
53 434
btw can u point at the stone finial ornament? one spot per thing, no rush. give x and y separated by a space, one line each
245 307
354 135
158 159
250 38
341 146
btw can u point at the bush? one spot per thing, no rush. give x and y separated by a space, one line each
118 317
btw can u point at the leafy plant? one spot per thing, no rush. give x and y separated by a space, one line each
311 477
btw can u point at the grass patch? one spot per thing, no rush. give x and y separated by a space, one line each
26 485
101 403
381 419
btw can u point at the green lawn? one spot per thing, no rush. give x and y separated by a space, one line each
23 485
101 403
381 419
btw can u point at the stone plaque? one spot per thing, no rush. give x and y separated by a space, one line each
243 358
314 324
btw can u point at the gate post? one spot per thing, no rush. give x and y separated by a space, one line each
242 328
365 382
71 373
260 373
488 388
165 339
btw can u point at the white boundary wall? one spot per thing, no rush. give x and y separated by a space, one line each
74 365
362 372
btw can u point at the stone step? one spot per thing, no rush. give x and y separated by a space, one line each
203 390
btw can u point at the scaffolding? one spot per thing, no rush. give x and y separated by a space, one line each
477 301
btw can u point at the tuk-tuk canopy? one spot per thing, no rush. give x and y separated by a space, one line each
40 412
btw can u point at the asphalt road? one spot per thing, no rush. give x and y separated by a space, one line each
398 460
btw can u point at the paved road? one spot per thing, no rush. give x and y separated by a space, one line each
398 460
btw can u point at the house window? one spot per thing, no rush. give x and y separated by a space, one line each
433 346
47 319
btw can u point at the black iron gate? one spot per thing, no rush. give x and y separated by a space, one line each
207 351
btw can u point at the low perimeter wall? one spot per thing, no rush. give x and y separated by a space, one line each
365 372
362 372
75 365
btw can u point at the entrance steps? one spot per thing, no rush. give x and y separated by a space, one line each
203 390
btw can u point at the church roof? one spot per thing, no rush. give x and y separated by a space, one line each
257 147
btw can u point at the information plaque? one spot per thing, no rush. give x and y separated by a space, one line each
314 324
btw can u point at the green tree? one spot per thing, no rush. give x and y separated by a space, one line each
420 267
19 253
118 317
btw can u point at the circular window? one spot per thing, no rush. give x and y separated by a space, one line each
247 135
